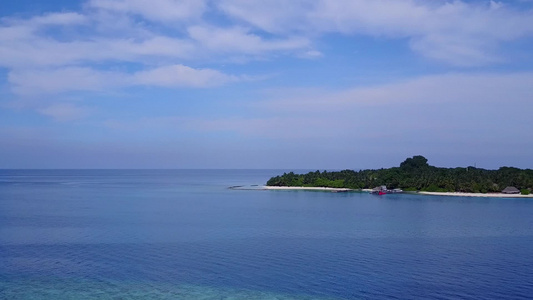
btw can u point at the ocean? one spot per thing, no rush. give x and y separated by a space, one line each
182 234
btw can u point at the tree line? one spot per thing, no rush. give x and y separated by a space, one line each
415 174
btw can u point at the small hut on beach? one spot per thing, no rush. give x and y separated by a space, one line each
511 190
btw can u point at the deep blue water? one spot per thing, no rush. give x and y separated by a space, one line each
182 234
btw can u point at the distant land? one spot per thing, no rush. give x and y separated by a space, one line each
415 174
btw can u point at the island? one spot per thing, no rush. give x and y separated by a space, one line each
416 175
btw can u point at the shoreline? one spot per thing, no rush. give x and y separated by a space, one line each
452 194
486 195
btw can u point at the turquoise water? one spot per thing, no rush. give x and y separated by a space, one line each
182 234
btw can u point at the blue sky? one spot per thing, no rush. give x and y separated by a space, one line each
307 84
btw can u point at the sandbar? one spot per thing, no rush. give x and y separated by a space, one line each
266 187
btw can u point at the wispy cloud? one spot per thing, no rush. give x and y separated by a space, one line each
238 40
155 10
465 91
439 107
52 81
34 82
46 20
182 76
64 111
113 44
104 47
458 33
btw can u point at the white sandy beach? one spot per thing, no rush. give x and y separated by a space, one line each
454 194
487 195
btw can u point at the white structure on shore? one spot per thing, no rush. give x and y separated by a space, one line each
511 190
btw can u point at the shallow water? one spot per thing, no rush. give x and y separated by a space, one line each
182 234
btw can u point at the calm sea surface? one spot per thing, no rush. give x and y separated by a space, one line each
182 234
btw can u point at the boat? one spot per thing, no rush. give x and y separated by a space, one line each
382 190
379 190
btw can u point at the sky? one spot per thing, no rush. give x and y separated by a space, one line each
290 84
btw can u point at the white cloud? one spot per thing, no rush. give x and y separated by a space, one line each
456 50
466 90
276 16
311 54
139 42
458 33
33 82
239 40
58 19
50 81
445 108
64 111
182 76
14 29
155 10
49 19
161 46
42 52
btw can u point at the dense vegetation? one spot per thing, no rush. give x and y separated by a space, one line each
415 174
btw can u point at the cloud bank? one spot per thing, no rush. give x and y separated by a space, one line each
165 33
268 78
